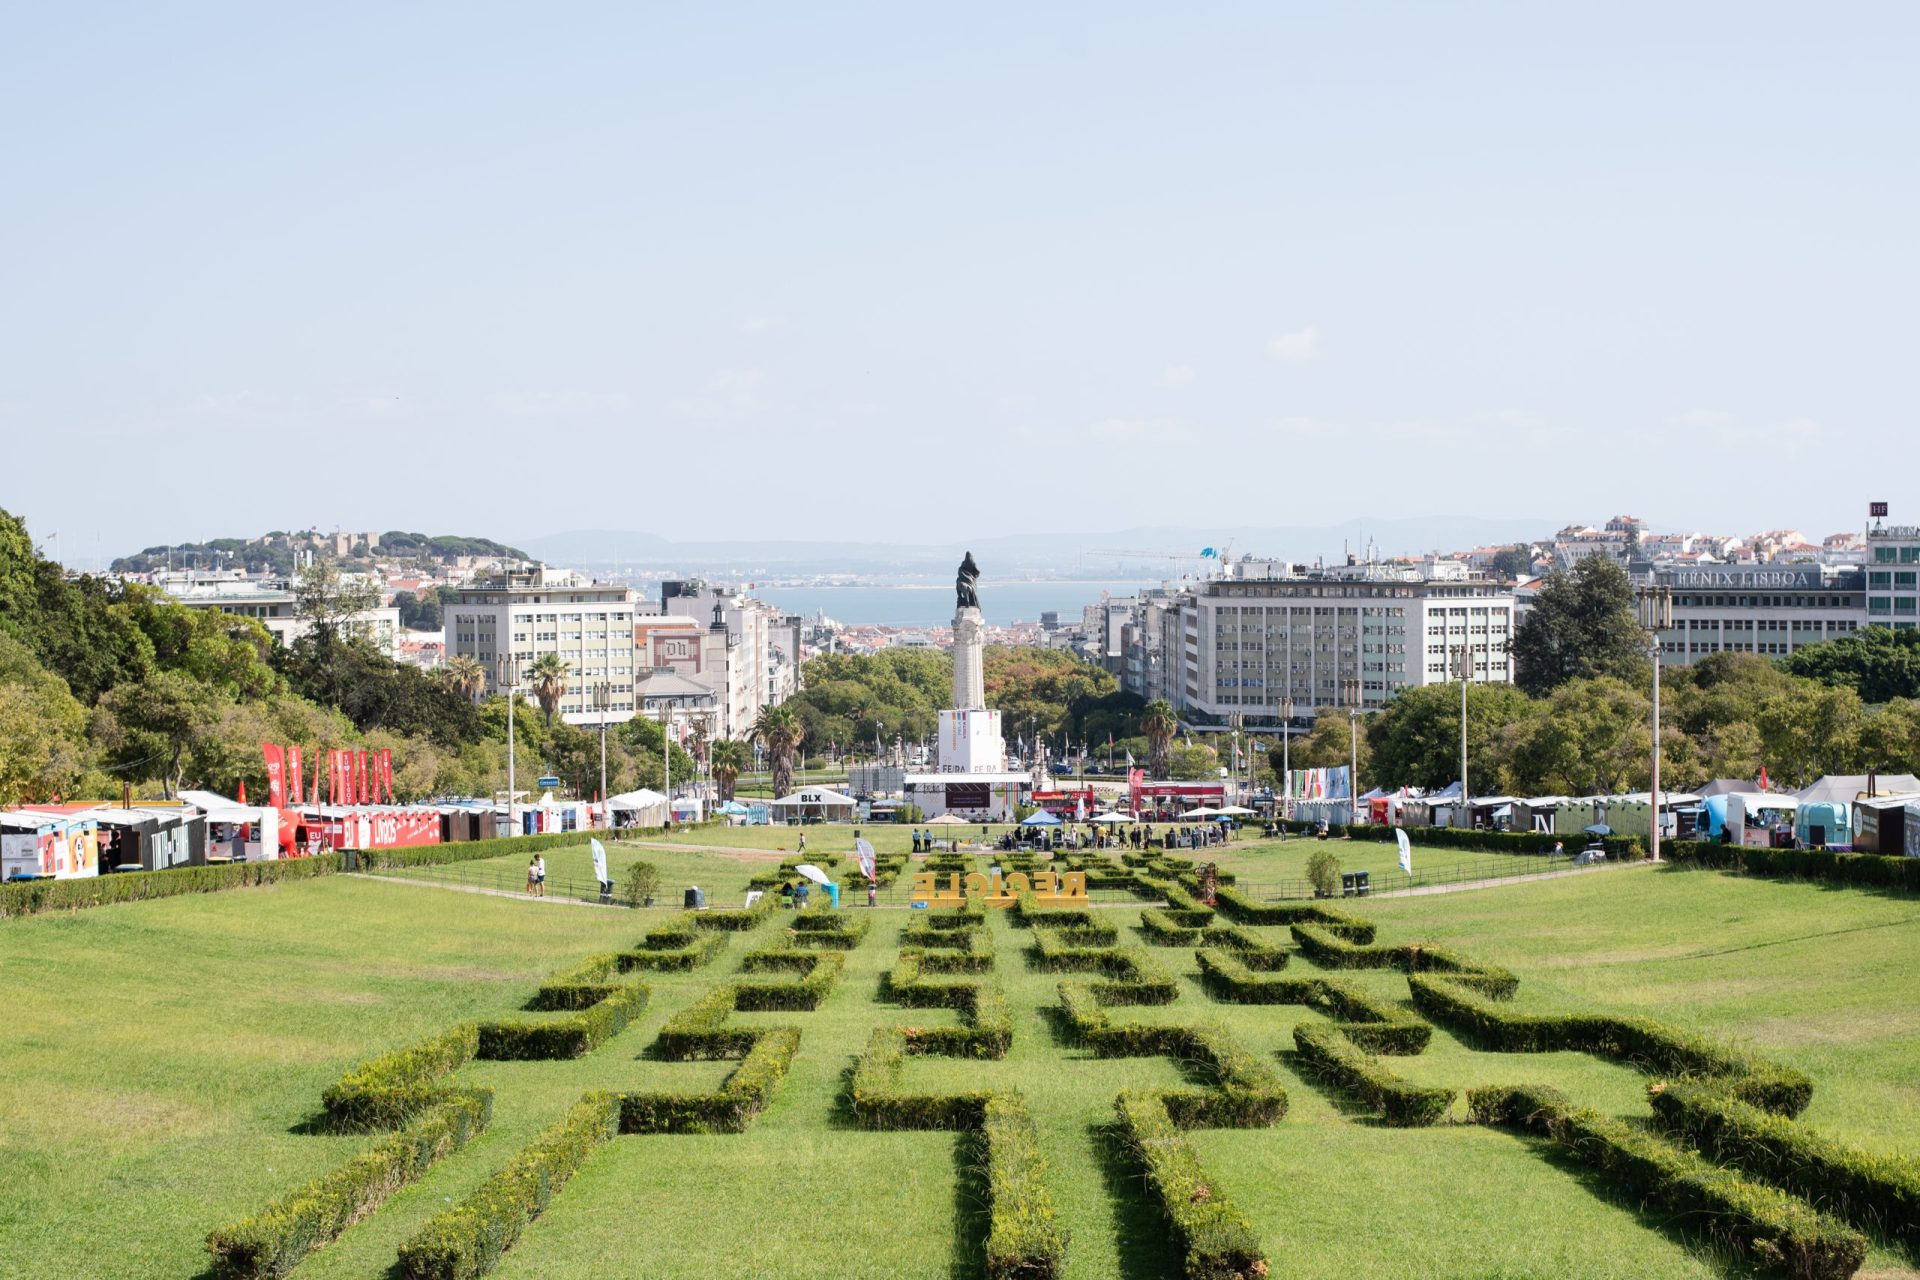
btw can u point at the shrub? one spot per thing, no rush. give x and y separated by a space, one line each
273 1241
1239 907
641 883
1335 1059
581 987
1216 1240
573 1036
1876 1191
390 1090
1650 1045
822 972
466 1240
1323 872
1872 869
700 1030
1766 1225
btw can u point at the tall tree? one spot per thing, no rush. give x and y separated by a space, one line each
1159 722
466 676
1582 625
730 760
547 678
1416 736
779 732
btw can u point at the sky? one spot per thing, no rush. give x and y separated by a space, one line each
919 271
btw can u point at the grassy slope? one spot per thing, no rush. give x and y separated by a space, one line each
205 1081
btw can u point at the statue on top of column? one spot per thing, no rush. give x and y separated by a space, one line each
964 584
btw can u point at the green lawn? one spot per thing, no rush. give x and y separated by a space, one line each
160 1059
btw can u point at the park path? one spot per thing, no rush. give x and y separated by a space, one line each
518 894
1494 882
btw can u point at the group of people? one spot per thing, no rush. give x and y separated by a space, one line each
537 877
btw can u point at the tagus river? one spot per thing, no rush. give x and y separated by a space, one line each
931 604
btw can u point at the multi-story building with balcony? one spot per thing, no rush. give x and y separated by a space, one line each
524 613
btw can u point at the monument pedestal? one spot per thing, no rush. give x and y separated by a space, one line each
970 742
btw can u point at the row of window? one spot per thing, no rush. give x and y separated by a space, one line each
1892 604
1883 580
1896 555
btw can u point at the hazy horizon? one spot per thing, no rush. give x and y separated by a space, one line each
777 273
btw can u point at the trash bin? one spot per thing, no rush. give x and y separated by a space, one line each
350 859
1347 889
696 899
1362 885
833 893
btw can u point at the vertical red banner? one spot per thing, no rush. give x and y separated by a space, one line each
339 787
386 772
361 792
294 779
276 774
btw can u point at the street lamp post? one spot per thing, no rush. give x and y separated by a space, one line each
1656 618
509 673
1466 677
603 703
1286 757
1351 688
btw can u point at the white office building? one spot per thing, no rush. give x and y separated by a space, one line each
525 613
273 605
1768 609
760 663
1242 645
1893 561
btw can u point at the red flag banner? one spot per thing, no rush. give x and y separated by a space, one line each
276 774
359 787
293 775
386 772
340 778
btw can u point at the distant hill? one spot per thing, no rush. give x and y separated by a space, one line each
278 552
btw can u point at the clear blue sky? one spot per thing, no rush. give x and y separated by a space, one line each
761 269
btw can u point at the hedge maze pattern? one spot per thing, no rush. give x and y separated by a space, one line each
1724 1150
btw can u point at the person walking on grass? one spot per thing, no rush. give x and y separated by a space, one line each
530 877
539 876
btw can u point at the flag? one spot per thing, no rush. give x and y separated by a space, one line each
1406 849
863 852
276 774
1129 762
293 775
386 771
1764 784
599 861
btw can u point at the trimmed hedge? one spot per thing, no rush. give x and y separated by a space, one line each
1129 977
1619 848
1871 869
390 1090
467 1240
1653 1046
1335 1059
1024 1237
573 1036
1216 1240
700 1030
1025 1240
275 1240
31 897
988 1029
829 932
821 974
1244 1092
1762 1223
743 1095
1324 948
701 950
1373 1024
1871 1190
1238 907
737 920
581 987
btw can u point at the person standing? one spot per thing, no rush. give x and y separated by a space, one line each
873 894
539 876
530 877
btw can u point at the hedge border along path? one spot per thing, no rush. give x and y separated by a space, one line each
403 1091
1645 1043
1873 1191
467 1240
1216 1241
1761 1223
1024 1238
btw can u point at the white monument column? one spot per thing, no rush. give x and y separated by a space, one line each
969 678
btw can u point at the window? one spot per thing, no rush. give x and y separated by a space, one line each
1881 555
1876 604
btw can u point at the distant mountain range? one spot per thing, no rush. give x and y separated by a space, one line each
1067 555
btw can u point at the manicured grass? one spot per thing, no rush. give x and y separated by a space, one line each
159 1058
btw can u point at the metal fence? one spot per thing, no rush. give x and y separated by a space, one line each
1503 866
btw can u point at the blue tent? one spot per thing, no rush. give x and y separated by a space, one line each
1041 819
732 807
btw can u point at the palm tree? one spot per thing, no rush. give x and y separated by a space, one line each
1159 723
730 760
778 729
547 678
466 676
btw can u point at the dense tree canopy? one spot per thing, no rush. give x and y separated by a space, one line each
1582 625
1878 663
